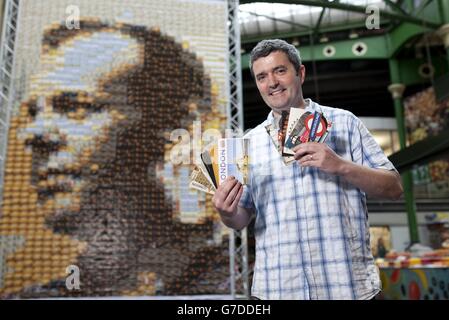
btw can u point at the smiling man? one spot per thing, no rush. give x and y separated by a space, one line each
311 227
279 82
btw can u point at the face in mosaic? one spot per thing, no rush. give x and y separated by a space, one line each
81 182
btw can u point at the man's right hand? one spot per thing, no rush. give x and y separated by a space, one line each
227 197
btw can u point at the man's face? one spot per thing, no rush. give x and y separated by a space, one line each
72 112
278 82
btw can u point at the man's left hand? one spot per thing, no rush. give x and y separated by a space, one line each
319 155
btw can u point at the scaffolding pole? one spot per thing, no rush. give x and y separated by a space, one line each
238 241
8 37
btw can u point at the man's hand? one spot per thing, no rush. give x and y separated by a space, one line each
319 155
378 183
227 197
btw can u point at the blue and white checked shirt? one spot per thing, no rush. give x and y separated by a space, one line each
311 228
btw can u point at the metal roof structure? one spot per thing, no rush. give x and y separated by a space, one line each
305 16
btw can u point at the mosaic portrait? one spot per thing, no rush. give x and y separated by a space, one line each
88 181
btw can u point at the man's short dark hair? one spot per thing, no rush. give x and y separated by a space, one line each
265 47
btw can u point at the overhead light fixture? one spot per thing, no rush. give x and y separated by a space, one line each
353 35
324 39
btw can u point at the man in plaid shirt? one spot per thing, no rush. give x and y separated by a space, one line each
311 227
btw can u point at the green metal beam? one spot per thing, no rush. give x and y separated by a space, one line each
410 206
410 4
421 7
377 49
407 179
353 8
430 11
290 34
394 6
395 77
399 36
318 23
443 6
400 33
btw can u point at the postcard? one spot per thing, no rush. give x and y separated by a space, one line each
304 127
199 180
208 164
273 133
233 159
297 129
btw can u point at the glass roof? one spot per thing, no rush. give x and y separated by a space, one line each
261 18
